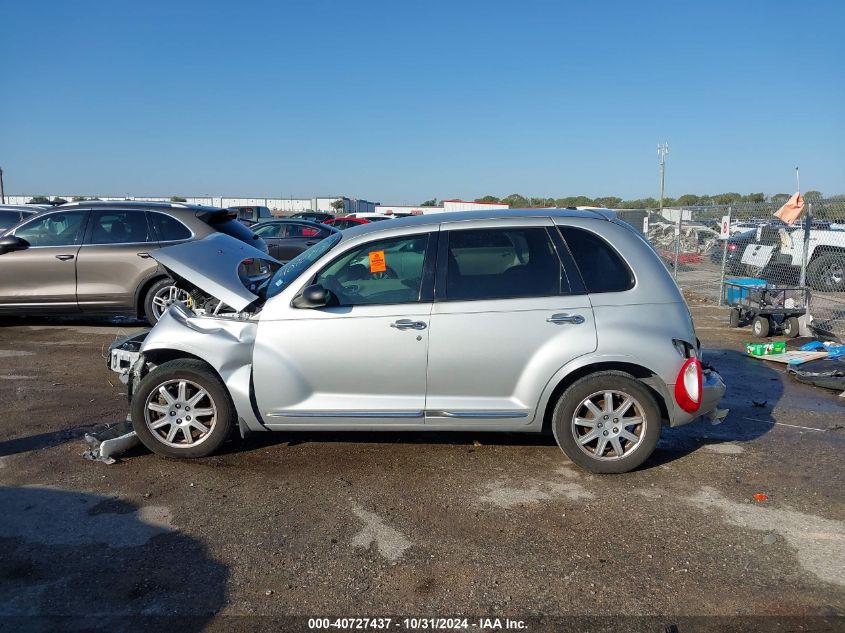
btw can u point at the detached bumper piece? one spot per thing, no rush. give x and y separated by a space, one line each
108 440
713 388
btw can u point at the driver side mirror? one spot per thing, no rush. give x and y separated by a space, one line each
11 243
314 296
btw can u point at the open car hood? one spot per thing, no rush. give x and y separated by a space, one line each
211 264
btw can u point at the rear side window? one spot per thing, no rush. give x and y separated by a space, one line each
119 227
601 267
502 264
9 218
169 229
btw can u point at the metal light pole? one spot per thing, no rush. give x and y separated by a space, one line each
2 189
662 150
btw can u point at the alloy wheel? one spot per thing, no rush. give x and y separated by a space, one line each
166 297
609 425
180 413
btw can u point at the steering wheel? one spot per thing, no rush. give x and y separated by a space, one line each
387 273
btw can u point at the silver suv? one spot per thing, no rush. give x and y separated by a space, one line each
529 320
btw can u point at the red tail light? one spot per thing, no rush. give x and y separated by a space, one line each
731 247
688 386
248 262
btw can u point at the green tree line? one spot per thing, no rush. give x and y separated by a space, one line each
518 201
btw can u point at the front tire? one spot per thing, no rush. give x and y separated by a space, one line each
607 422
182 409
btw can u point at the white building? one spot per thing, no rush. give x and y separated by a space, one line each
469 205
447 206
403 209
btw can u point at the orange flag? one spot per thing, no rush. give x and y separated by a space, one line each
791 209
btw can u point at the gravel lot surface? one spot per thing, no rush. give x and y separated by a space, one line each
477 525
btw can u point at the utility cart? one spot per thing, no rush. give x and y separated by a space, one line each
765 306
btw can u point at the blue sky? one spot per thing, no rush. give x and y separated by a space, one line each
403 101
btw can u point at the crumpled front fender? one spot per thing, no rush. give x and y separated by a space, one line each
224 343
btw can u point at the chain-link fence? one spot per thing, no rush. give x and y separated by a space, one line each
759 250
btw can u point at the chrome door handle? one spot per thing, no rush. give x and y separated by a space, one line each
408 324
575 319
143 255
64 258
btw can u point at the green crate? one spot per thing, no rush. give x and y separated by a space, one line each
766 349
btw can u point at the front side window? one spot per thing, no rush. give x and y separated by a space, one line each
502 264
119 227
169 229
382 272
54 229
602 269
264 212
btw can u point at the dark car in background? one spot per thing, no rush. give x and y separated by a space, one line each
288 238
250 215
95 257
13 214
313 216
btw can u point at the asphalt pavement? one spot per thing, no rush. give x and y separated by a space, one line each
738 523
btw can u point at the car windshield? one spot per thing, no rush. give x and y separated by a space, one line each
290 271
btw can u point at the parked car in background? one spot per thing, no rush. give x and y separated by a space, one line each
372 217
516 321
345 222
13 214
250 215
288 238
312 216
96 258
774 251
736 246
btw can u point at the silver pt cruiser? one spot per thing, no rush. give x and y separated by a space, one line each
521 320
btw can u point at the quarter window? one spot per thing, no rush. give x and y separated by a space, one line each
119 227
268 230
9 218
169 229
54 229
602 269
502 264
387 271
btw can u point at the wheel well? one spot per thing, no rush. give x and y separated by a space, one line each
825 250
161 356
142 294
638 372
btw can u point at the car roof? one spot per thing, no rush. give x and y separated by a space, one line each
494 214
316 225
137 204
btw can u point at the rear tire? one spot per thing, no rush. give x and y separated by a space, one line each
182 409
790 327
826 273
760 326
592 434
734 318
159 297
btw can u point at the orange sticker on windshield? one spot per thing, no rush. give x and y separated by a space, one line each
377 263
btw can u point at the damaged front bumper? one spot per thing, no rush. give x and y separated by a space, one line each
125 358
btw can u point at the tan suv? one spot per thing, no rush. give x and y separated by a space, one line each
94 257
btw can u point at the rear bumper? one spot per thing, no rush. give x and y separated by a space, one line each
713 389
